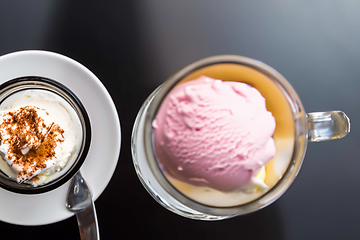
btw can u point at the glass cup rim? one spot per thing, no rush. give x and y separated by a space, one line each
300 142
43 83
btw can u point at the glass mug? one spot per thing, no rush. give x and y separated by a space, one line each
294 129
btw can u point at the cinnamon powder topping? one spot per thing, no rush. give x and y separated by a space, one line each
31 142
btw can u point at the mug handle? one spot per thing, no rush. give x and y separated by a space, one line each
327 125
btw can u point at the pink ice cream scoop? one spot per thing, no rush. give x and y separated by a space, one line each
213 133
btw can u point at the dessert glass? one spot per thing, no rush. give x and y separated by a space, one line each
32 83
305 127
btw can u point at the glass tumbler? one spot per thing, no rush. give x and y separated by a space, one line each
41 83
294 129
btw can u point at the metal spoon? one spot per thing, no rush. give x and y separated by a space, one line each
79 201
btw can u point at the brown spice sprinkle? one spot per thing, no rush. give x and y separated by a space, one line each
26 130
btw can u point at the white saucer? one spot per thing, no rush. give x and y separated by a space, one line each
103 155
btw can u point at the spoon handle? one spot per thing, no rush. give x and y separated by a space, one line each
88 225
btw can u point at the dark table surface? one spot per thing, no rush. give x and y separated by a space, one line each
133 46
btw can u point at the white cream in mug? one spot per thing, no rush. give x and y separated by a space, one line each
40 136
